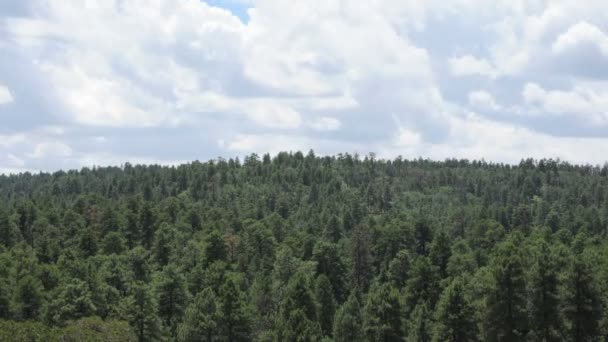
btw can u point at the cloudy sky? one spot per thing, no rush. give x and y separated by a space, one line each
101 82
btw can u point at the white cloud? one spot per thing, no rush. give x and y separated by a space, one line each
307 74
51 149
14 161
481 99
407 138
583 101
10 140
581 33
469 65
5 95
325 124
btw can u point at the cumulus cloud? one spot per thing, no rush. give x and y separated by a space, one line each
481 99
325 124
53 149
583 101
155 81
5 95
581 33
468 65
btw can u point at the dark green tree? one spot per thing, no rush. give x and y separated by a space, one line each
506 316
201 319
326 304
172 295
420 324
234 322
382 314
583 304
455 316
544 301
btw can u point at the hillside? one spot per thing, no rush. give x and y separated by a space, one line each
308 248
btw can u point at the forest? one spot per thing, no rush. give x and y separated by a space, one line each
300 247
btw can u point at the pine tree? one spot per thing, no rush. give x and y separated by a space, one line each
544 301
455 316
583 309
333 230
201 319
506 316
298 311
329 263
215 248
147 224
422 285
28 298
172 296
361 260
440 253
234 322
399 268
382 314
8 230
348 322
326 304
141 309
420 329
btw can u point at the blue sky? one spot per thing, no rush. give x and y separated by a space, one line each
237 7
85 82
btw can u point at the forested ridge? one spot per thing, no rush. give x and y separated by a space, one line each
298 247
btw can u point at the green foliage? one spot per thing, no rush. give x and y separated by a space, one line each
544 300
382 314
455 316
348 322
201 319
583 305
506 316
298 247
326 304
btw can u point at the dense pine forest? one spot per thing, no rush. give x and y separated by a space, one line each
298 247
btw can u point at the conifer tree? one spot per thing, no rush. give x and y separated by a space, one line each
544 301
420 325
583 307
455 316
382 314
348 321
201 319
326 304
506 316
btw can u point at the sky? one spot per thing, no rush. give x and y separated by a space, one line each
104 82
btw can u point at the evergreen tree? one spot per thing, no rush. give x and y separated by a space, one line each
398 269
298 312
8 230
348 322
583 309
506 316
329 263
215 248
172 296
422 285
234 322
440 253
326 304
420 325
361 259
544 301
201 319
141 309
28 300
382 314
455 316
